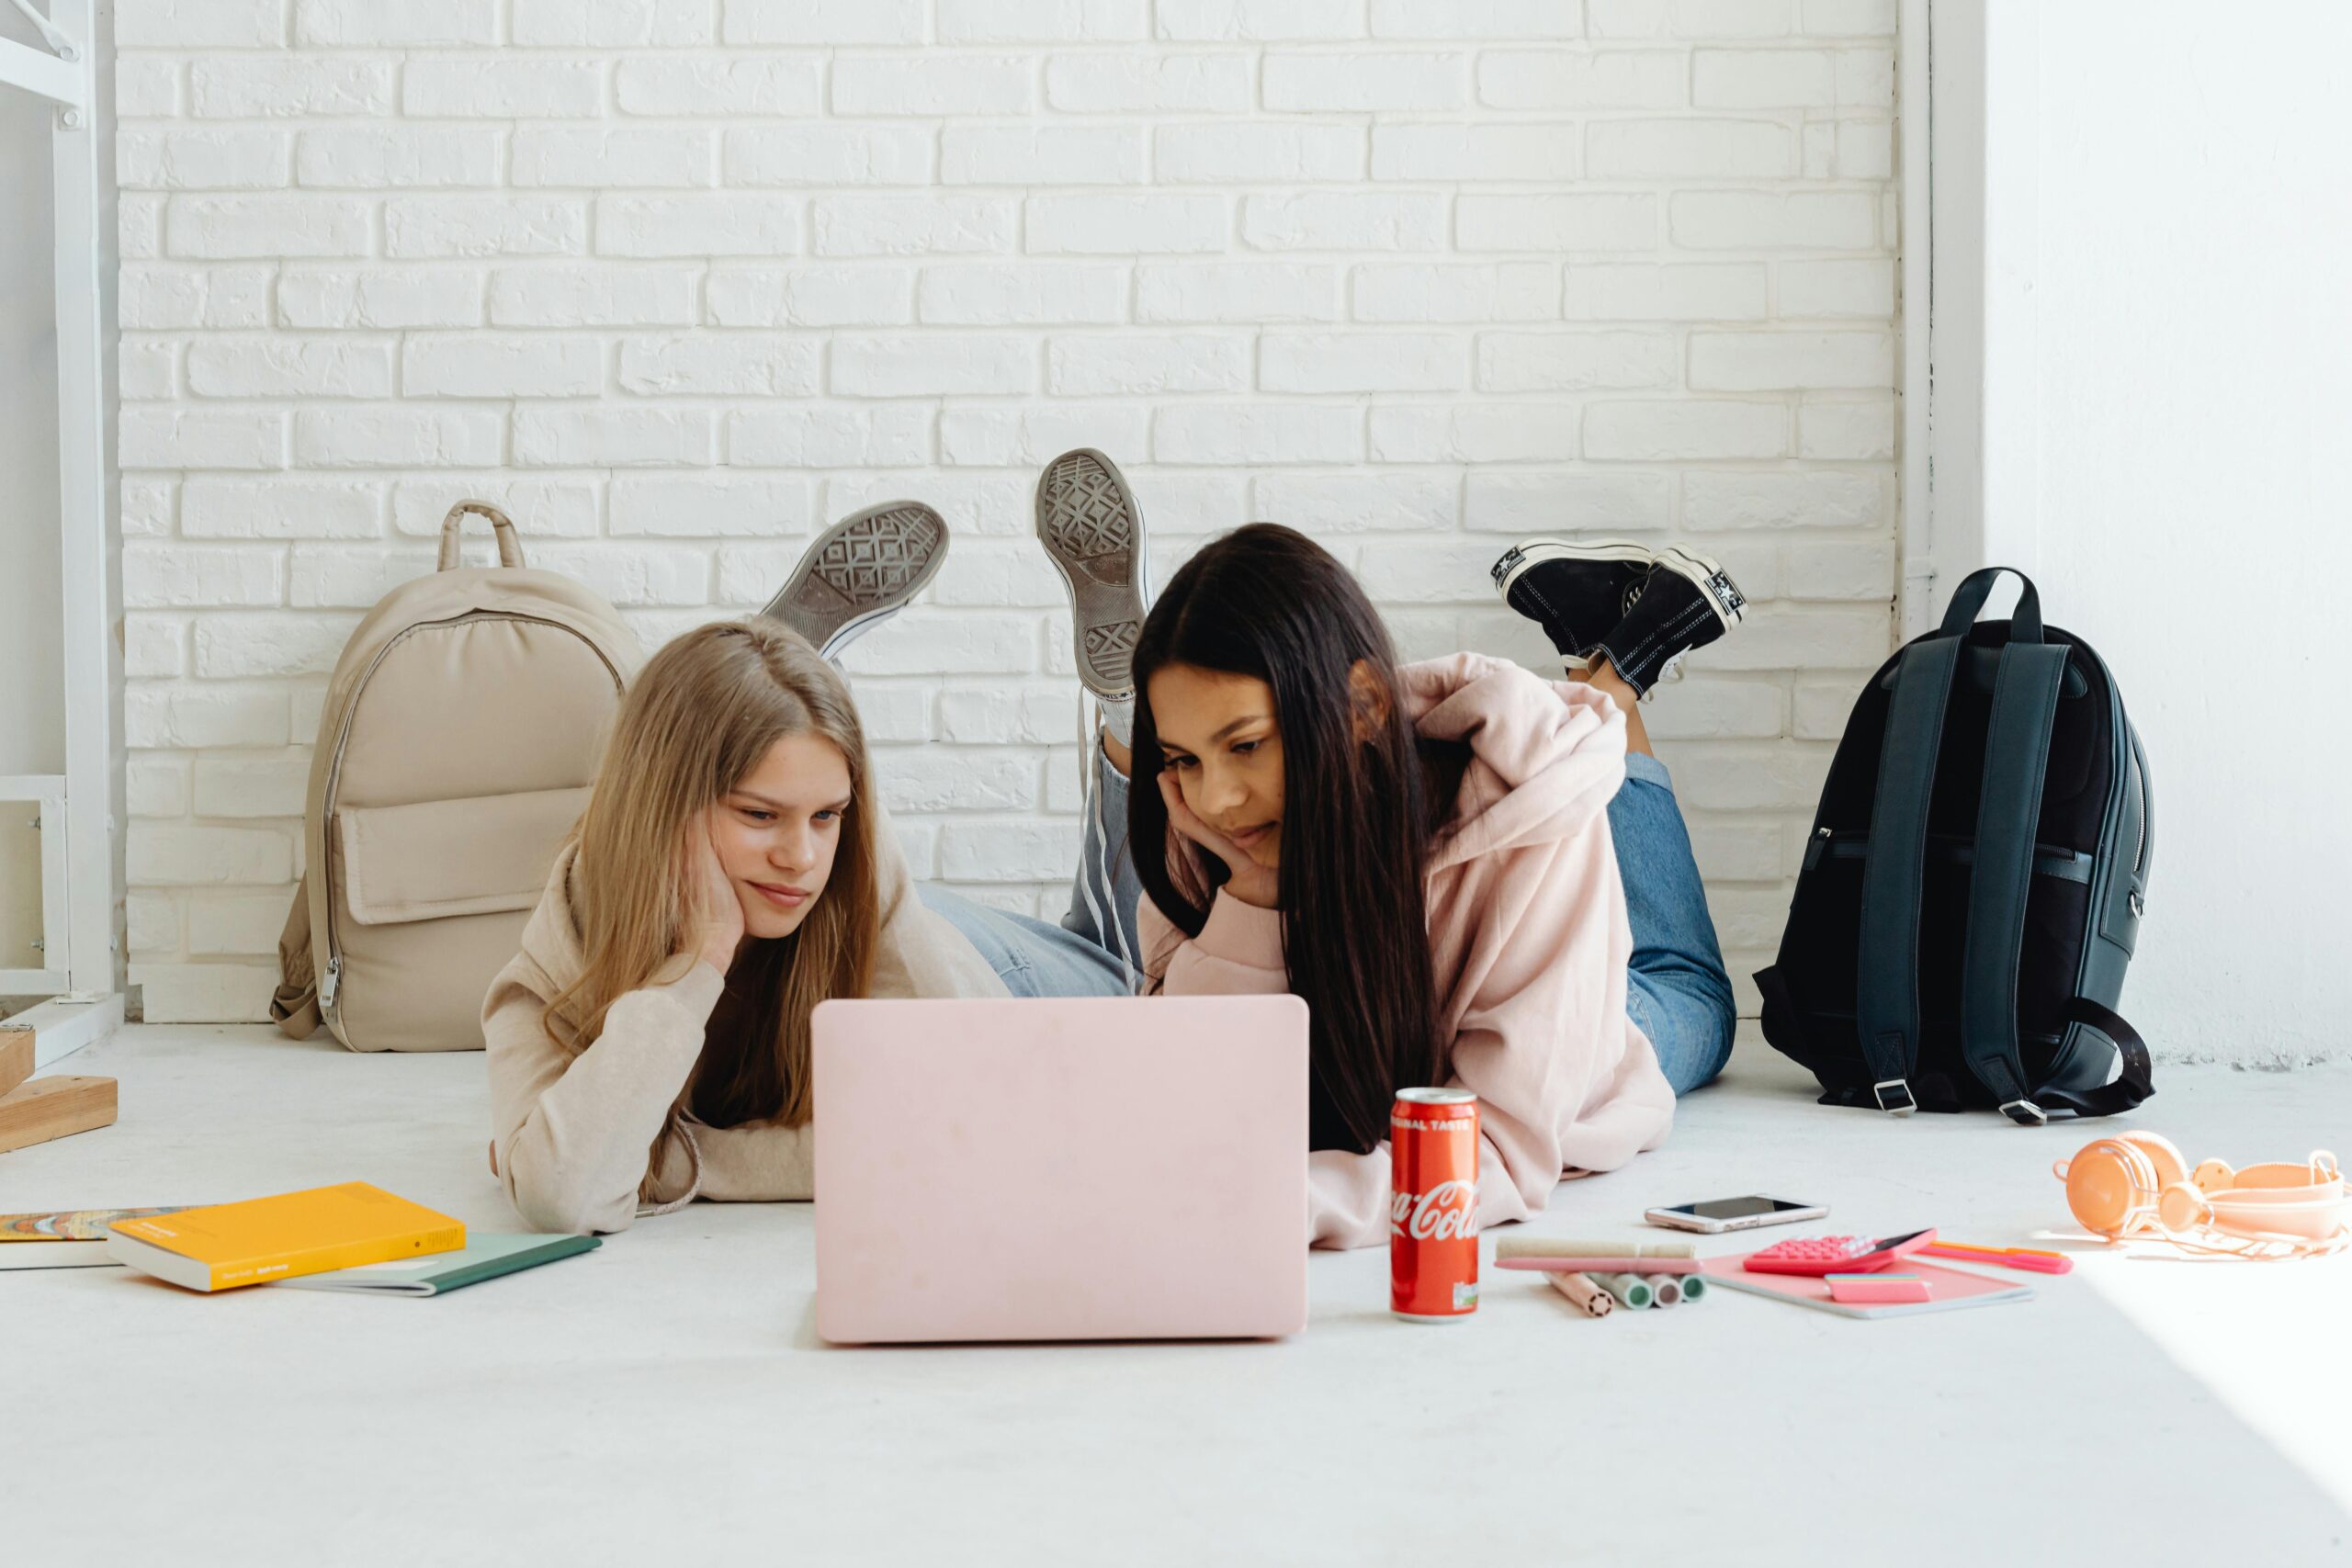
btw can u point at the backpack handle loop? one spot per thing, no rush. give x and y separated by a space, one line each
510 545
1968 602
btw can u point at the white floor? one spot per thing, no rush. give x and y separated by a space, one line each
667 1394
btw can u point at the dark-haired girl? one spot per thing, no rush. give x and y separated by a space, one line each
1456 863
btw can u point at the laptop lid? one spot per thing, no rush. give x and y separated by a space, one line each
1098 1167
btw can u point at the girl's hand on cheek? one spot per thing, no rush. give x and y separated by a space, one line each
713 916
1247 881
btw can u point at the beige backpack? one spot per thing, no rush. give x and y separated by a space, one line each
461 733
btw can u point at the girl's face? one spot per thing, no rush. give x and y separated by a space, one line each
1217 731
776 831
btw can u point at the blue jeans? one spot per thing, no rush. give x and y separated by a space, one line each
1675 991
1077 957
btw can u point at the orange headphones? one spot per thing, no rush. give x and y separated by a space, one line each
2138 1184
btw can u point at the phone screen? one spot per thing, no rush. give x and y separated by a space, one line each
1737 1208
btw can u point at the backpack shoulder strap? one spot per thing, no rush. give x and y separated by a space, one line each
2017 758
1886 1003
2131 1085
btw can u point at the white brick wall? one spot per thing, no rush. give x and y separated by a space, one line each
676 281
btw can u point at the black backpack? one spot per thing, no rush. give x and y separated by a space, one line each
1975 881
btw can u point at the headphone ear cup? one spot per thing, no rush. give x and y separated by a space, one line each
2112 1186
2182 1208
2170 1165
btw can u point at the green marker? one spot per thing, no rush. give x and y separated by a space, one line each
1631 1289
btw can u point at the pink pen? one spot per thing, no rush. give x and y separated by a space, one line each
2024 1258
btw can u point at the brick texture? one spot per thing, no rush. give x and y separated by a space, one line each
676 281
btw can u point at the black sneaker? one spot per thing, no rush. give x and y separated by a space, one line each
1687 601
860 573
1576 592
1089 522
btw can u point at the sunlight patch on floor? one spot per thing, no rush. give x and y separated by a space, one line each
2246 1330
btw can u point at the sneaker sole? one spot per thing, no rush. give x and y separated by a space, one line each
864 568
1093 532
1527 554
1714 584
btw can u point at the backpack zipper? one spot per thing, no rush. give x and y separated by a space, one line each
2133 895
2138 862
2139 870
331 977
2049 860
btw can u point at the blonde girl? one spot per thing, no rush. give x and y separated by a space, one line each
649 1042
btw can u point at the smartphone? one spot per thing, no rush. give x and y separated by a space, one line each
1720 1214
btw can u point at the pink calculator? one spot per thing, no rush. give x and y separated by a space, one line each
1819 1255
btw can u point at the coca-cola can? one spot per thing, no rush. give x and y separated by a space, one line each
1433 1204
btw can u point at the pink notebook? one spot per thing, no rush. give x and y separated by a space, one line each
1952 1288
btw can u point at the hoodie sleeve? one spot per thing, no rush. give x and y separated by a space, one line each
572 1133
1239 952
758 1162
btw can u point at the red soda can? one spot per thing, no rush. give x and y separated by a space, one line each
1433 1204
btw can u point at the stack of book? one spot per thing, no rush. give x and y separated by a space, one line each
351 1236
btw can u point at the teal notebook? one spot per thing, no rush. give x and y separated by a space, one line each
482 1258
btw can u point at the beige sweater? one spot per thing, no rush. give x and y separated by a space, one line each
571 1133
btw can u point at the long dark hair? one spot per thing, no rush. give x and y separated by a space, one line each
1358 811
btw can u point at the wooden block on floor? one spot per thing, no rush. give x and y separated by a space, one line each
16 1056
53 1108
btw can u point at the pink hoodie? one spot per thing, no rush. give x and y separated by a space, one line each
1528 937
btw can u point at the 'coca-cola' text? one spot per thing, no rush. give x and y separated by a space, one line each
1447 1211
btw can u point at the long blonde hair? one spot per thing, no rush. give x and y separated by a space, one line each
701 718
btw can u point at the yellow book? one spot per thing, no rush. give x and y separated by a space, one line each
293 1234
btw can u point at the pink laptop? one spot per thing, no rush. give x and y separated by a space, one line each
1082 1168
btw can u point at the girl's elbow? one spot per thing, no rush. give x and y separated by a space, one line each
549 1209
